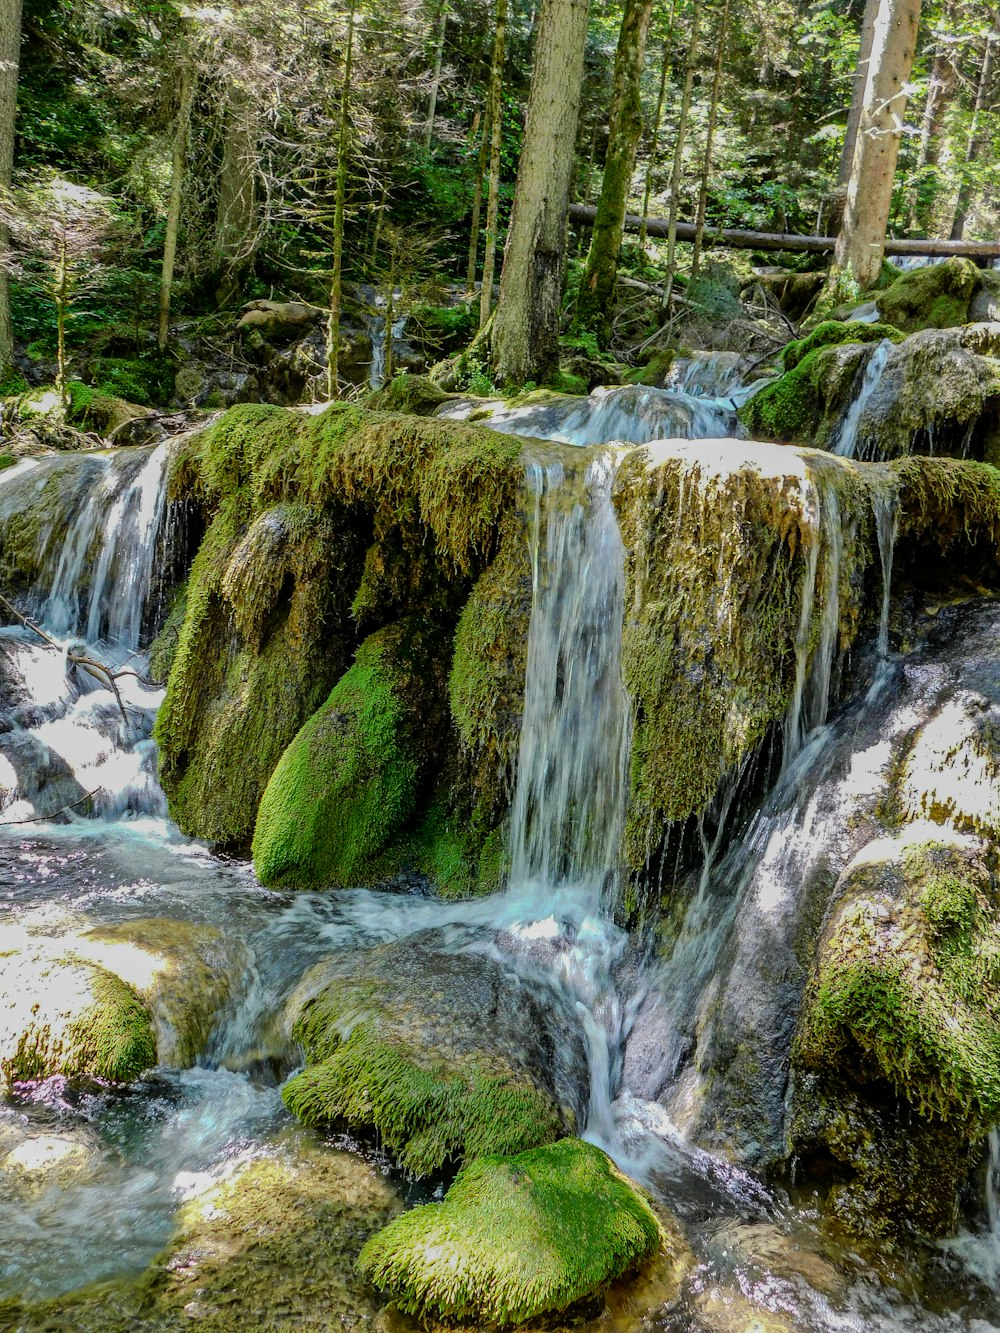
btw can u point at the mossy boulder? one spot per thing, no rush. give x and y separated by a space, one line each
435 1052
516 1238
831 333
349 781
409 393
314 524
806 404
935 297
64 1015
901 1024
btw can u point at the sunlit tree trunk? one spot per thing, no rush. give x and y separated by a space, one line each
977 132
861 241
496 143
182 129
525 330
678 166
597 290
713 117
236 216
10 50
333 327
854 115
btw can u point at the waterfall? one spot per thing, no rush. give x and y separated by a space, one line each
886 506
569 800
375 324
846 444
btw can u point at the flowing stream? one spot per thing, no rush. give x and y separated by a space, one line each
657 1031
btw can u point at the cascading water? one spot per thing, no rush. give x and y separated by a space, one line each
846 444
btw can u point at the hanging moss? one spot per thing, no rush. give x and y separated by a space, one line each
516 1238
164 647
935 297
429 1110
947 500
833 332
64 1015
717 553
348 781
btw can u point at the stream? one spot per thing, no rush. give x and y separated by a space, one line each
86 840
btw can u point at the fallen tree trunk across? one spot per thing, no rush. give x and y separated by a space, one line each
739 239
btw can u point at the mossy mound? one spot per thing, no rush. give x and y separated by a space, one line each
904 1010
348 782
294 503
408 393
433 1053
271 1246
805 405
64 1015
831 333
516 1238
720 540
935 297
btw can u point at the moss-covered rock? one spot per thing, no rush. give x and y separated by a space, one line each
516 1238
806 403
436 1054
902 1020
408 393
294 502
64 1015
935 297
831 333
348 782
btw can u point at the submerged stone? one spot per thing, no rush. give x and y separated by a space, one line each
442 1054
516 1238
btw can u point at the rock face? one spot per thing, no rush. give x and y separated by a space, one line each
437 1053
516 1238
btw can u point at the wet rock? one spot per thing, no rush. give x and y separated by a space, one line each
985 305
447 1055
32 1160
278 318
32 772
516 1238
935 297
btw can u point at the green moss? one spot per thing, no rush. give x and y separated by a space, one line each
516 1238
13 383
936 297
7 459
64 1015
164 647
562 381
348 781
429 1110
947 500
408 393
913 983
833 332
656 369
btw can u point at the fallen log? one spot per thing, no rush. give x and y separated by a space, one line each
740 239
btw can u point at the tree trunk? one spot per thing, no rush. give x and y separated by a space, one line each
333 327
665 68
436 77
941 89
181 131
235 237
677 170
10 52
713 116
854 115
597 290
861 242
60 297
477 203
496 143
977 132
525 332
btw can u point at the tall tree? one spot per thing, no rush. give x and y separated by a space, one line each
977 131
666 64
941 88
495 118
234 239
525 329
442 29
679 140
10 49
187 79
857 107
861 240
713 117
597 290
340 198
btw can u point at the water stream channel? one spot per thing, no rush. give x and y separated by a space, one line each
647 1026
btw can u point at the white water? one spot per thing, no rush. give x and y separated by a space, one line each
846 444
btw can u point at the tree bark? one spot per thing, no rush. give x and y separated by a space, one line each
677 170
525 331
181 132
10 52
235 237
477 202
854 114
665 68
436 77
977 131
496 143
861 242
713 116
333 327
597 290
